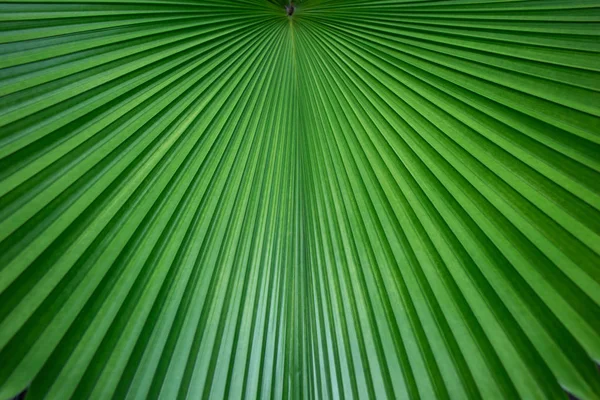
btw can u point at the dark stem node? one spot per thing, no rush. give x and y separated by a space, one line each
289 9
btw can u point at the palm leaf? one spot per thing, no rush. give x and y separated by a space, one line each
365 199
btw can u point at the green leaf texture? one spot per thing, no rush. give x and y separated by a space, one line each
367 199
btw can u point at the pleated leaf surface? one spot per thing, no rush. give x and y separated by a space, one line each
365 199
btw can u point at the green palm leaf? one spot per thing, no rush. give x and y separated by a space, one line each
365 199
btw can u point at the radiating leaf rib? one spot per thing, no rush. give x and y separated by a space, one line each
363 199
